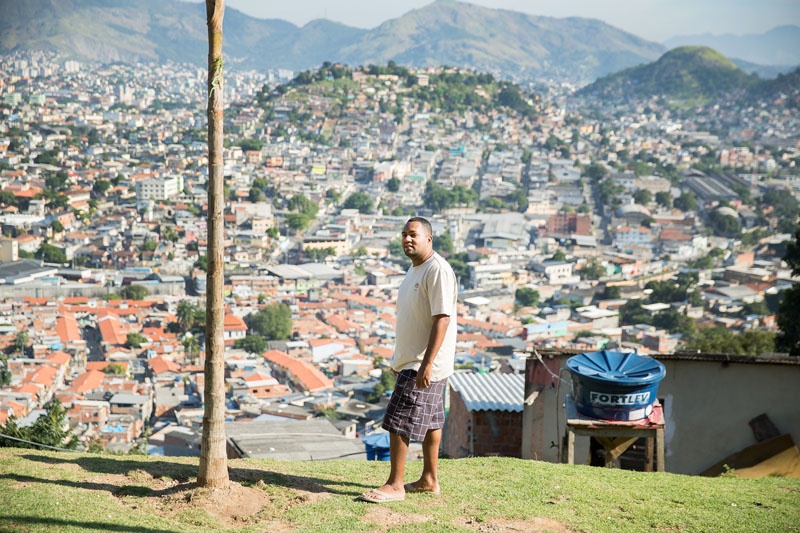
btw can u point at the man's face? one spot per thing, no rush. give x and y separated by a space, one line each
417 243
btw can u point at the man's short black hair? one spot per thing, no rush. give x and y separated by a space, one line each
424 222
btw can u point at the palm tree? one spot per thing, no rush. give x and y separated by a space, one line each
213 459
21 342
191 346
186 313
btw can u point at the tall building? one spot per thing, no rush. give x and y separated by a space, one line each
159 188
569 224
9 250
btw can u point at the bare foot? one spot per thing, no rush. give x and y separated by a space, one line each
419 486
384 494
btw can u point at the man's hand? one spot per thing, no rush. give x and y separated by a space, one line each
424 376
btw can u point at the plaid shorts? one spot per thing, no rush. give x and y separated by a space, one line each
411 411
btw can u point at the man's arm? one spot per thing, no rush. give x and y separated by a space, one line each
438 331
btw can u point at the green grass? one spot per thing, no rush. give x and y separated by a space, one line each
50 491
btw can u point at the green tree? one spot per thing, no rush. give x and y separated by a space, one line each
722 340
610 292
115 369
133 292
664 199
190 345
724 225
21 342
50 429
360 201
674 322
7 198
300 204
57 182
273 322
51 254
595 171
592 270
642 196
759 308
333 195
297 221
788 340
396 248
632 313
785 207
526 297
251 144
687 201
319 254
186 313
386 382
252 344
135 340
101 187
443 243
149 245
393 185
5 373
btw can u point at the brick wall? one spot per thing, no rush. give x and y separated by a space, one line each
497 433
457 429
492 432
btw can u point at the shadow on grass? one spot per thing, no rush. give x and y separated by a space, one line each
185 475
23 522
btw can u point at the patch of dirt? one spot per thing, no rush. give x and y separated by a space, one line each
534 525
232 505
385 517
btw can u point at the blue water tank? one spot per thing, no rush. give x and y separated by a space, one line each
377 446
615 385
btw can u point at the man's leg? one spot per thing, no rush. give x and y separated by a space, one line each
398 451
429 480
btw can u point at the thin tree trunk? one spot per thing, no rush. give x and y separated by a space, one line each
213 454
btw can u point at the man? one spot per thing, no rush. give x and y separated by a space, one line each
423 360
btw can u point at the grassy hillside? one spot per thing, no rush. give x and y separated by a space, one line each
687 73
50 491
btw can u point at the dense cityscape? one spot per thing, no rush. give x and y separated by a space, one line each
651 228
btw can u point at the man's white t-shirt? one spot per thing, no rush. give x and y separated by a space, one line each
427 290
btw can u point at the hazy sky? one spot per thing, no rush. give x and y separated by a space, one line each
656 20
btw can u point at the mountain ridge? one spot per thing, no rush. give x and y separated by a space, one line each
775 47
444 32
503 42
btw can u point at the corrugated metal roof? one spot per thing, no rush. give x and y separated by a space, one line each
490 392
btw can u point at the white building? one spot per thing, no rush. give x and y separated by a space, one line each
159 188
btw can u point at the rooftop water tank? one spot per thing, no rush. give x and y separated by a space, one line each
615 385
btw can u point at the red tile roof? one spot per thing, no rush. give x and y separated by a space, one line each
59 358
160 365
110 329
305 374
88 381
67 328
42 376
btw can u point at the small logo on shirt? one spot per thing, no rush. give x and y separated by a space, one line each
416 286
